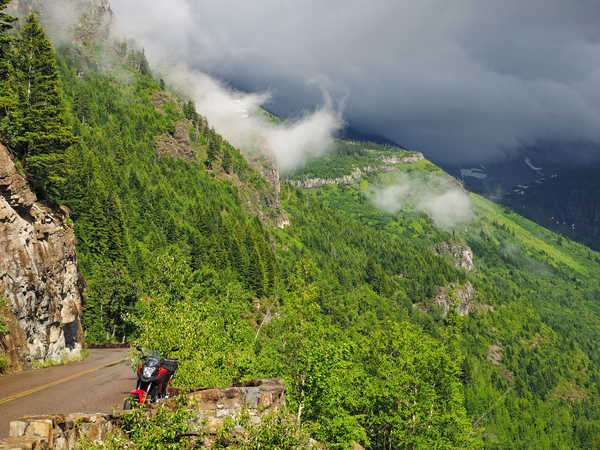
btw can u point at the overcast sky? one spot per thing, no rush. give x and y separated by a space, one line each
459 80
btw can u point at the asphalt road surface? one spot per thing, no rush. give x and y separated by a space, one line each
93 385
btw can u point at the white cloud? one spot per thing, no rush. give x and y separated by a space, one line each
445 202
237 117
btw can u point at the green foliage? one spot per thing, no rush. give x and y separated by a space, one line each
3 308
7 91
129 208
342 355
34 123
161 429
541 292
166 427
276 430
3 363
214 149
3 329
203 312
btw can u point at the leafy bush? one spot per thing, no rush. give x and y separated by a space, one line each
276 430
165 427
3 363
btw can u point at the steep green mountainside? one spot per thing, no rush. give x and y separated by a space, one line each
531 347
398 329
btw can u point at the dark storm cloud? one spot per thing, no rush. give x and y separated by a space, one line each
460 80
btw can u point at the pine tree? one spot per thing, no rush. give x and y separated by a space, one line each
214 150
189 110
227 162
40 134
42 126
115 229
7 97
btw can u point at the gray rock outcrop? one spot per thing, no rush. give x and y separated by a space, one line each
39 276
178 145
460 298
395 159
358 172
459 253
270 198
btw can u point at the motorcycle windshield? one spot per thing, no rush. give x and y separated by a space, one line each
150 368
152 361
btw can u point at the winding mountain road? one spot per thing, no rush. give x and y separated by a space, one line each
97 384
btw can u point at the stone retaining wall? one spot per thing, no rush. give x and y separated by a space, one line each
57 431
256 398
211 407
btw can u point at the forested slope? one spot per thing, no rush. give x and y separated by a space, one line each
180 250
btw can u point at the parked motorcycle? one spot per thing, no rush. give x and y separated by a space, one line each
153 377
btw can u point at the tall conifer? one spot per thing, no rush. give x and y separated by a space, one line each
40 134
227 162
7 97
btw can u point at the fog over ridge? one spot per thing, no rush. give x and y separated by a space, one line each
234 114
437 196
464 80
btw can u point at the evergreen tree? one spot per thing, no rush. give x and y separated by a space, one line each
214 150
115 229
7 98
227 162
189 110
42 129
40 134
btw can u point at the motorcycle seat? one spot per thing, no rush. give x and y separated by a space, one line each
170 364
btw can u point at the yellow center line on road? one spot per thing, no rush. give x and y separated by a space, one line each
54 383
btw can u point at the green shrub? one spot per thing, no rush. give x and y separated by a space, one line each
3 363
276 430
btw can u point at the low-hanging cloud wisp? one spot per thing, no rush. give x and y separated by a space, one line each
442 200
235 115
238 117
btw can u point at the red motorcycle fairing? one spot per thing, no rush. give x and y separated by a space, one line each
162 371
140 393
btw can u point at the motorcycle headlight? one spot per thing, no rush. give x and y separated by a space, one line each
148 372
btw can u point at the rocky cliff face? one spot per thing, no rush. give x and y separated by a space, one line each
460 298
357 173
39 276
269 208
459 253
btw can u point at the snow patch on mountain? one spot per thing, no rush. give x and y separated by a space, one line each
474 173
531 166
